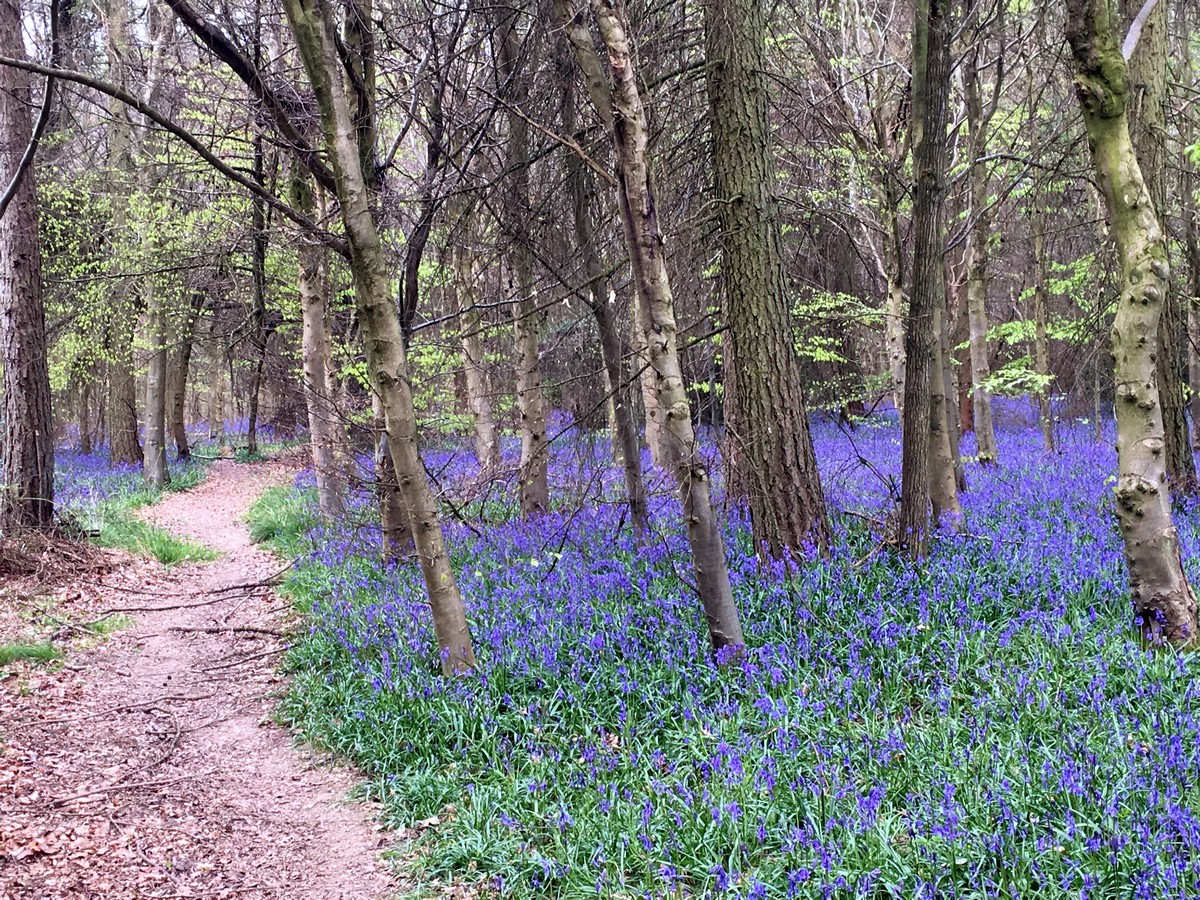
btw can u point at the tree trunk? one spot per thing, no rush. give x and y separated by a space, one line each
85 416
679 447
179 377
1163 601
618 397
1146 108
216 395
311 23
787 505
154 463
323 423
943 422
1193 301
977 258
470 330
930 89
258 313
1041 342
533 475
27 451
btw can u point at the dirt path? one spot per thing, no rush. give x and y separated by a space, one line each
148 767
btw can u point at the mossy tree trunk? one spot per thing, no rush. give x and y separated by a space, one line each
1164 604
775 448
311 23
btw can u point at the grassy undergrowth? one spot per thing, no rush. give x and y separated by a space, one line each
19 651
110 519
984 725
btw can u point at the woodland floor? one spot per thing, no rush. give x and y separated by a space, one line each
148 765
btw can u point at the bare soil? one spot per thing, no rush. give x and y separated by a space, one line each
148 765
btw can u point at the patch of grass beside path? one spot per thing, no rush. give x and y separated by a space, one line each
112 522
10 653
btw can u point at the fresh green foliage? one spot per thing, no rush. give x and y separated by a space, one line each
282 517
10 653
119 527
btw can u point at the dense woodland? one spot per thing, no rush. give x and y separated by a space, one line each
557 276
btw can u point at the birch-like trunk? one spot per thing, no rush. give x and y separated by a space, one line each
311 23
1041 341
1163 601
679 446
470 332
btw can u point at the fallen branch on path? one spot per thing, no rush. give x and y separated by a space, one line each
243 659
108 789
222 629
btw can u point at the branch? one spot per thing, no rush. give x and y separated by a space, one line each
222 48
1135 29
332 241
43 118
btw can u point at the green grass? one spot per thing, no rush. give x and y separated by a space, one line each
281 517
115 524
120 528
10 653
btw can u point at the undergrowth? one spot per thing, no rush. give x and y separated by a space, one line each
983 725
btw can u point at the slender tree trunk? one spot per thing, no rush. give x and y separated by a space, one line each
85 416
27 457
258 314
216 396
787 505
943 478
680 450
311 24
533 475
1146 107
1193 303
179 376
470 330
644 373
323 424
1041 342
154 463
395 523
930 89
978 119
1164 604
617 387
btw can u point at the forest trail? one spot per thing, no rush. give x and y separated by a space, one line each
149 767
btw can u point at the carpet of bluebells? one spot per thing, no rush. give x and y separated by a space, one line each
982 725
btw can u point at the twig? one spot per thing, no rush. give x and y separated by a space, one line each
108 789
243 659
219 629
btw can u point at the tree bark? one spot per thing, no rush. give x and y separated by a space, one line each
154 462
1041 341
978 276
533 474
1163 601
470 331
787 505
943 422
27 451
179 377
1147 105
311 24
619 92
930 81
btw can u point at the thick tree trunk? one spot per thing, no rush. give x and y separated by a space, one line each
1164 604
680 450
1147 105
311 23
27 450
533 475
930 89
787 506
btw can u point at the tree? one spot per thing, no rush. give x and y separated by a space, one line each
1163 601
27 451
616 87
787 506
312 25
927 470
